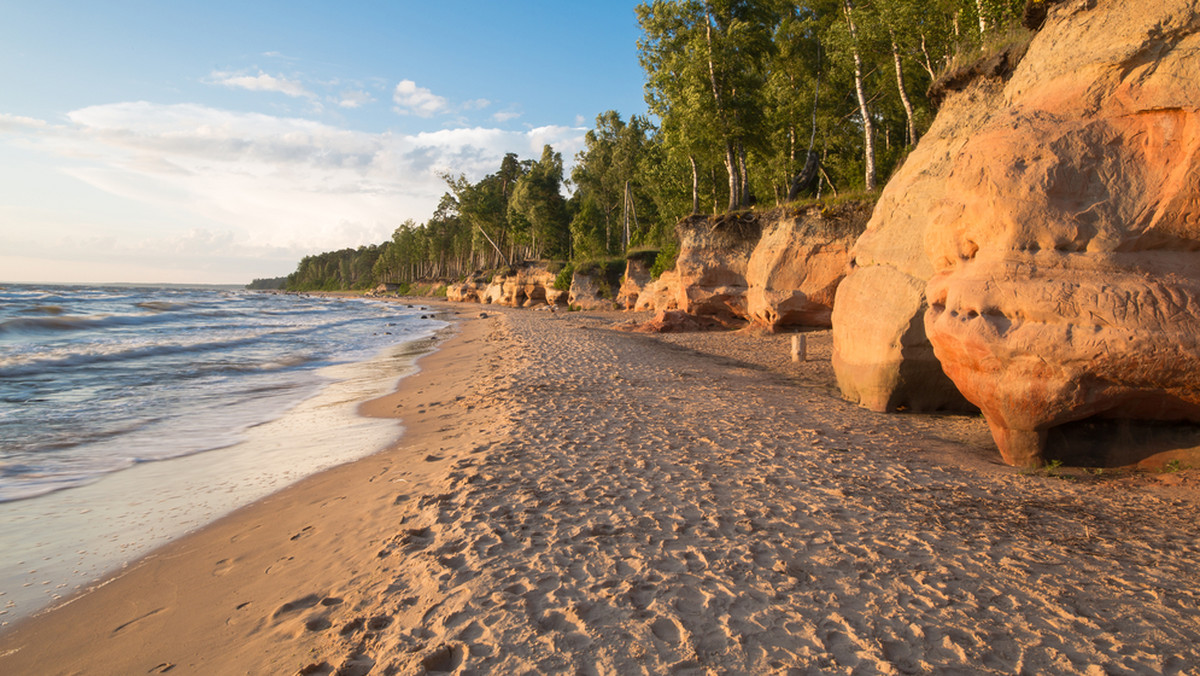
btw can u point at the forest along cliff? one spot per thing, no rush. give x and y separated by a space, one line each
775 269
1040 245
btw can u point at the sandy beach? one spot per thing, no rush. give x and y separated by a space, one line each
568 498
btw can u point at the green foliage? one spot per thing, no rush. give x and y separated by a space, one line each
1175 465
336 270
606 267
268 283
646 255
665 260
562 281
538 202
996 55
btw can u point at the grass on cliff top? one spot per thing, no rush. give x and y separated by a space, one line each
845 212
997 56
601 266
835 203
644 254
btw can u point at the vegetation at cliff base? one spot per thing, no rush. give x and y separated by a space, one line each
751 103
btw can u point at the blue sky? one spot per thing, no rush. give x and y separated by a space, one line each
216 142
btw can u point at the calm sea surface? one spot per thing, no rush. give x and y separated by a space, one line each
130 415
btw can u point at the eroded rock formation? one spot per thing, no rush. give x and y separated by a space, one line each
881 354
797 264
776 269
1065 245
637 276
524 286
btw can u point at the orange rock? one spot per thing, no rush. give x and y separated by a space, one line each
776 268
1065 244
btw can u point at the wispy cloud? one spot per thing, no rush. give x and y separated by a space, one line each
19 123
411 99
505 115
262 83
278 183
354 98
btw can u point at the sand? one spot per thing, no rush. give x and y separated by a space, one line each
571 499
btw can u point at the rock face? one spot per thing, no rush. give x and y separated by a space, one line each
795 268
594 289
465 292
881 355
673 321
637 276
525 286
661 294
711 266
1066 246
776 269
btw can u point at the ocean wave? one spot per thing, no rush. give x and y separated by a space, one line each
161 305
37 366
59 324
26 325
43 310
40 365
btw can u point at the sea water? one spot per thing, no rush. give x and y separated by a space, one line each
130 415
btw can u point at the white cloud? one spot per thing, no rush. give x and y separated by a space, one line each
411 99
256 187
19 122
262 83
354 98
476 104
505 115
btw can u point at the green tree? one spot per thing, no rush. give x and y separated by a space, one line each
537 199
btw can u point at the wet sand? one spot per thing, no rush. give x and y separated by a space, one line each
568 498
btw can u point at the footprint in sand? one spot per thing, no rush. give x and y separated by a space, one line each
301 603
379 622
444 658
666 630
307 530
318 624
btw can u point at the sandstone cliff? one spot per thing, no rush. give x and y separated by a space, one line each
1052 223
775 269
523 286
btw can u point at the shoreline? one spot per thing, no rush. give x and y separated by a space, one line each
571 498
56 544
169 591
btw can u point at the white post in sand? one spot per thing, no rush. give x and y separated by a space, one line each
799 347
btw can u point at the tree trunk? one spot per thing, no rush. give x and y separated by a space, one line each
805 179
493 243
744 196
863 111
695 186
731 167
730 155
625 218
982 19
927 64
908 108
809 175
